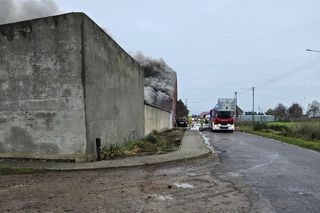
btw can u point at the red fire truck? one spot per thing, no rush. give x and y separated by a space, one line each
222 116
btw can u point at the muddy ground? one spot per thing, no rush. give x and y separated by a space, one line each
188 186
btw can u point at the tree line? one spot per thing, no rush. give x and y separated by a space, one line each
281 112
295 111
181 110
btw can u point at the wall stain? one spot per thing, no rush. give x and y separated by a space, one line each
20 140
115 111
66 93
55 20
2 121
48 148
2 149
47 117
8 32
25 29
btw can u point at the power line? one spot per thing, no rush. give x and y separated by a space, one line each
252 104
245 90
307 65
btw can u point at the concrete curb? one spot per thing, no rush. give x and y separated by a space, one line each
192 147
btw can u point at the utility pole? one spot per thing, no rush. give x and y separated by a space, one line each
236 98
187 104
252 104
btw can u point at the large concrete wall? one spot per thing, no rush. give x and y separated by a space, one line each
41 104
156 119
63 83
114 89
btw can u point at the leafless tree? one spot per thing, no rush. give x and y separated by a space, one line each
295 111
280 112
314 109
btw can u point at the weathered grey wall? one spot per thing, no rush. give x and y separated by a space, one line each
63 83
156 119
41 103
114 90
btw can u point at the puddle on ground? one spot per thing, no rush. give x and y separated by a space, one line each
184 185
162 197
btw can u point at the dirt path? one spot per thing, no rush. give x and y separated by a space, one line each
188 186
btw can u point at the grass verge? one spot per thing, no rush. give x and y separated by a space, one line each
154 143
15 171
309 144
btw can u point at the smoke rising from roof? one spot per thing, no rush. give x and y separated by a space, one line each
14 10
159 81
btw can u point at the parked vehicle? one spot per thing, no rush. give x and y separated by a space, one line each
222 116
182 123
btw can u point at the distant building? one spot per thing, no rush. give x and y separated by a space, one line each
259 118
203 114
239 111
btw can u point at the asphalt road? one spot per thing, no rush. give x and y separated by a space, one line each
286 178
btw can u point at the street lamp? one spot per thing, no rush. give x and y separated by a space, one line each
317 51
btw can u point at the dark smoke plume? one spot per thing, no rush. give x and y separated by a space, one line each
159 81
20 10
15 10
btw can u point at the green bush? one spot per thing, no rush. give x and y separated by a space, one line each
151 138
278 127
309 131
147 146
132 144
113 151
155 142
305 130
244 125
304 134
168 146
260 126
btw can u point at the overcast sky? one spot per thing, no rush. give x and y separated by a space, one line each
220 47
